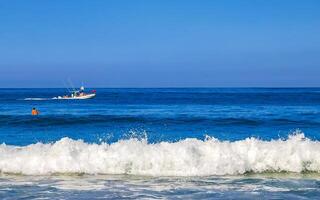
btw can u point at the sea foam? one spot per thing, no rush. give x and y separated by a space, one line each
189 157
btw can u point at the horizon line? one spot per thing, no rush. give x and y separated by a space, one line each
178 87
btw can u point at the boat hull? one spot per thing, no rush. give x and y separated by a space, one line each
87 96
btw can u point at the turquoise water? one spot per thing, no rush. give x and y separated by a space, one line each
161 143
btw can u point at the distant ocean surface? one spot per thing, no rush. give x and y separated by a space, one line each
183 143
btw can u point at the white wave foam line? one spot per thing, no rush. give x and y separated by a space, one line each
189 157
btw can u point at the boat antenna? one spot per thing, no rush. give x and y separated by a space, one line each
66 86
71 84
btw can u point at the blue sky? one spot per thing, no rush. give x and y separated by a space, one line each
205 43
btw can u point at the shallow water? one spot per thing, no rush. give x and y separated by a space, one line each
274 186
206 143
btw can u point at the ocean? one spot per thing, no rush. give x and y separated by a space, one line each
161 143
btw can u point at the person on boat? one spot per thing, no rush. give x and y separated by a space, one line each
34 111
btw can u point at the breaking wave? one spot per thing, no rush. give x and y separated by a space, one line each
189 157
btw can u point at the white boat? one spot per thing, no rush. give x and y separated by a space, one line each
77 94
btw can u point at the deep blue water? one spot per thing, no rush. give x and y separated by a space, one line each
161 115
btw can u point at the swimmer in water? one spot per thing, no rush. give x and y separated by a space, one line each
34 111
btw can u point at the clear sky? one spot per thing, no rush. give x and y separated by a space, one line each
160 43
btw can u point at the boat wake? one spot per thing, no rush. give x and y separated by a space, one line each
37 99
189 157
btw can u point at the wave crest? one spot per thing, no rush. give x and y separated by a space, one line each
189 157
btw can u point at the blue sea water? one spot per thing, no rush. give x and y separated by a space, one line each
208 143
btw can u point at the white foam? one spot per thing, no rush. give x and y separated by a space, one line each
189 157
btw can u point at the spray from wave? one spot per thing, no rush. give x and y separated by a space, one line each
189 157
